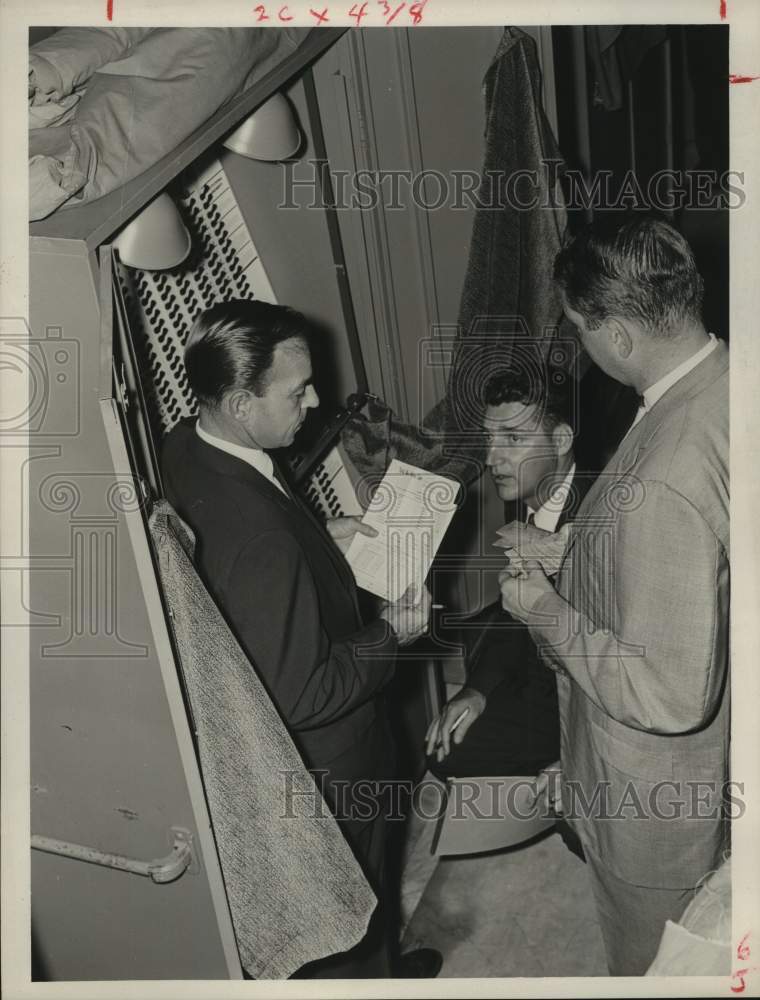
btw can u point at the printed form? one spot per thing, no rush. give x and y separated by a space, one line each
410 510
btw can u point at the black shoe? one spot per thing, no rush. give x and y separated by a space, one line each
422 963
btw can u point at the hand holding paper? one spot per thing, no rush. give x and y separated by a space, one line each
343 529
523 542
409 616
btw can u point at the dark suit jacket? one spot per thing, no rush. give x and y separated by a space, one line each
288 595
500 649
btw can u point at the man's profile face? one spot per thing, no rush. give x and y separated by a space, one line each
585 336
596 343
522 454
276 416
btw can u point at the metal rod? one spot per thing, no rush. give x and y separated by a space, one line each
305 465
631 126
667 82
582 128
150 467
333 228
160 870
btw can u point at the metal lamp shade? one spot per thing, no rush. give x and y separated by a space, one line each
270 133
156 239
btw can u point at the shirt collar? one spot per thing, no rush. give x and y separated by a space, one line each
254 457
549 513
656 391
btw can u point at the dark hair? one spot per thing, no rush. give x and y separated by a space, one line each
550 393
643 271
231 346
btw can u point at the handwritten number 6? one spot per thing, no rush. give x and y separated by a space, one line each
742 951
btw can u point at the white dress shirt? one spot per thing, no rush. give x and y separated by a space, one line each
549 513
656 391
259 459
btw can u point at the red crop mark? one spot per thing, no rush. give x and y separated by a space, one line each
109 10
740 975
723 10
321 18
741 986
742 949
738 78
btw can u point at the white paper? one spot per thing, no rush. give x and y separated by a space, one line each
547 548
410 510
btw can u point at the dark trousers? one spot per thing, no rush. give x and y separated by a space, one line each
356 788
517 734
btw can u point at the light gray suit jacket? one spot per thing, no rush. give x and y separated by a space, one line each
638 635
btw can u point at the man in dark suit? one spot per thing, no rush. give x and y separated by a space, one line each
282 581
508 705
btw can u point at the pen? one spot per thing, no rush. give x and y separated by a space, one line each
458 719
455 723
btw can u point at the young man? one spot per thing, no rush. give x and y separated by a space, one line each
636 626
508 706
282 582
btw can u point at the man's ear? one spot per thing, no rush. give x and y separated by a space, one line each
620 336
237 404
562 438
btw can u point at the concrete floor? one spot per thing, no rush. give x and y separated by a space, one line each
525 911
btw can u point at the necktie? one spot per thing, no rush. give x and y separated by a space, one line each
281 482
640 414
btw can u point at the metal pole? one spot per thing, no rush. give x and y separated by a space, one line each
582 126
631 127
667 82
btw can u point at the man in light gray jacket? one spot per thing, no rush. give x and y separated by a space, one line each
636 625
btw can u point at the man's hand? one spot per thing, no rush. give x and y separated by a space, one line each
522 583
548 792
343 529
467 705
409 615
526 541
520 536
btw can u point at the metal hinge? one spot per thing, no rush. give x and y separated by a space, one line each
123 391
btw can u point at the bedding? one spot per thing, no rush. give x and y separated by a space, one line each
105 104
